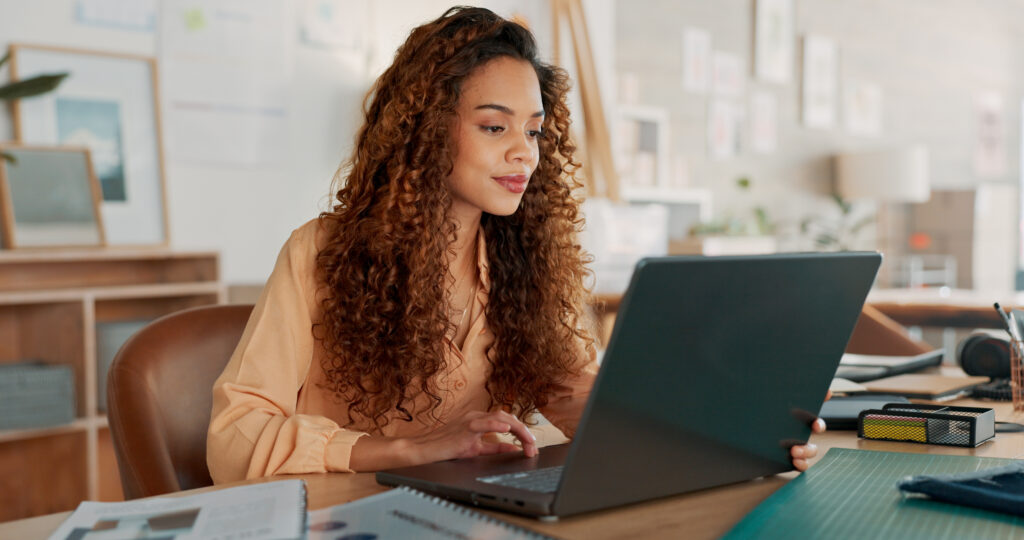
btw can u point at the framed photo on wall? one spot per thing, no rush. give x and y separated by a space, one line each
820 89
773 40
108 104
49 197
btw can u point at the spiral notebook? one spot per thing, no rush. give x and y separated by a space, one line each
407 513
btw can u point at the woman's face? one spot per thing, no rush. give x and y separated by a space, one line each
499 119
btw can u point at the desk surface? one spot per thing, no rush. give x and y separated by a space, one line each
704 514
943 307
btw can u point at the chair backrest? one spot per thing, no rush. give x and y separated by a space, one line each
159 396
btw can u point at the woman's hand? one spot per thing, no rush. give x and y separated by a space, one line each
474 434
802 453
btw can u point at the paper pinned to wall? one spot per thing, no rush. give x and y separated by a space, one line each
990 148
820 81
225 73
123 14
336 24
696 60
863 108
764 122
724 123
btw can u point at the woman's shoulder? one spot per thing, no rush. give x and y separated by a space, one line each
311 235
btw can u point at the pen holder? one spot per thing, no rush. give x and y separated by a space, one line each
1016 376
928 424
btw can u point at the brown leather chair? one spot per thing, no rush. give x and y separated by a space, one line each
159 396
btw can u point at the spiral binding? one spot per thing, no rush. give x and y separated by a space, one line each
304 506
462 510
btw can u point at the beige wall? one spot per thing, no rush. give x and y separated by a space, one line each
930 58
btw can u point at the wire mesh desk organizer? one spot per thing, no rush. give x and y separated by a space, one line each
928 424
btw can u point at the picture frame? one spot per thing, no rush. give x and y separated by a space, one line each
774 40
109 104
642 147
820 88
49 198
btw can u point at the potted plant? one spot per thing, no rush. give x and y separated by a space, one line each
35 86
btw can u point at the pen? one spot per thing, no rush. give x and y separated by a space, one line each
1011 327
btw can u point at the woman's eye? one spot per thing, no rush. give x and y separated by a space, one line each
535 133
492 129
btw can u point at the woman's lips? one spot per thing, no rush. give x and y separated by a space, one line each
516 183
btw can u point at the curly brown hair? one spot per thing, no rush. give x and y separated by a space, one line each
384 270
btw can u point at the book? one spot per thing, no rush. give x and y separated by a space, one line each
407 513
270 510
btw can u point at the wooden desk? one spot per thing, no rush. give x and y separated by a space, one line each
705 514
935 307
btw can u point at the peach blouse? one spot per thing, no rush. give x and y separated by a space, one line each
270 416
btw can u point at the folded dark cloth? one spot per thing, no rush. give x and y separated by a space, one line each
999 488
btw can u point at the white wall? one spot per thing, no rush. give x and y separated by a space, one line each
247 214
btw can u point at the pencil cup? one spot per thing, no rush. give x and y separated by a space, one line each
1016 376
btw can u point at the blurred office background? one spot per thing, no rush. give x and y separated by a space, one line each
735 126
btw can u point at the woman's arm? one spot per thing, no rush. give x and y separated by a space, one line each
254 429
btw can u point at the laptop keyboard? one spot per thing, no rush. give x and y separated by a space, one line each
541 480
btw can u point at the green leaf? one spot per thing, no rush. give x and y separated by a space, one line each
31 87
4 59
743 182
9 158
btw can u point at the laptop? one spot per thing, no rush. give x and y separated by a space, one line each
711 374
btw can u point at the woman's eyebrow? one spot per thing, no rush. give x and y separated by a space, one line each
506 110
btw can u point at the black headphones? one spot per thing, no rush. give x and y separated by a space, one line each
986 355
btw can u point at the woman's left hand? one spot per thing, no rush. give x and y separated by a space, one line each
804 452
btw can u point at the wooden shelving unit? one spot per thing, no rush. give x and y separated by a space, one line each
50 305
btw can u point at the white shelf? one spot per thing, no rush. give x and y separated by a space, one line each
697 196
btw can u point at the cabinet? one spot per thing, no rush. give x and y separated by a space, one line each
51 304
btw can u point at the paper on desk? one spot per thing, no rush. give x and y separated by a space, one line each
845 386
850 359
272 510
407 513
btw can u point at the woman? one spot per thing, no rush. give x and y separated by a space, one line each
437 307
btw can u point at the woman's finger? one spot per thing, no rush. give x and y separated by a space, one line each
800 464
818 426
484 425
522 433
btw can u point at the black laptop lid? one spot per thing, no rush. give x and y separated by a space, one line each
715 367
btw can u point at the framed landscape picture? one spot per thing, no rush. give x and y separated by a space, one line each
107 104
49 197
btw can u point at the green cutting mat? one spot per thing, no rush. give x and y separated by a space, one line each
852 494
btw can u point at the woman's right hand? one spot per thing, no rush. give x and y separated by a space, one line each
473 434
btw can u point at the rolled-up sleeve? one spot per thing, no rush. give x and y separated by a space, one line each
254 428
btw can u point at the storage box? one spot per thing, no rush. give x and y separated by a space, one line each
928 424
34 395
110 336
